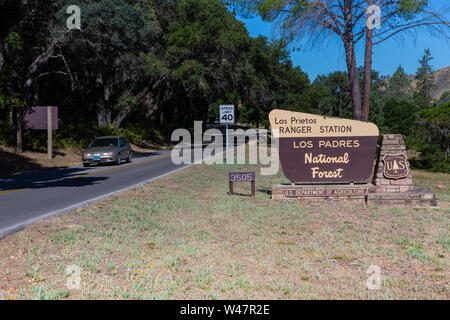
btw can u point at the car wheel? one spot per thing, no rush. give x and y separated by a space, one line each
129 157
118 159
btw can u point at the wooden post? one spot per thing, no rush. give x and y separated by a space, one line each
253 188
19 130
231 187
49 133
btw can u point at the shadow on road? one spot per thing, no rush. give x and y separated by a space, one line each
78 182
59 177
137 155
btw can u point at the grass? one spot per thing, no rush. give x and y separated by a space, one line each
183 237
437 182
42 293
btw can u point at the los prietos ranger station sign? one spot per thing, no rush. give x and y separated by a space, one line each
315 148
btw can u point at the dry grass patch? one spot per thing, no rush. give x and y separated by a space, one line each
183 237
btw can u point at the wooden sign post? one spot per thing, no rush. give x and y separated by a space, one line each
49 134
241 177
43 118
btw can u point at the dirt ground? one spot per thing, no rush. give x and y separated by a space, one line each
183 237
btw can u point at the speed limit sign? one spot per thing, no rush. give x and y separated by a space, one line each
226 113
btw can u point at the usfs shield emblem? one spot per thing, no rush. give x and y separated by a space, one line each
395 166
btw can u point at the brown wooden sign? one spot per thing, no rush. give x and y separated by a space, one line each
395 166
43 118
319 149
36 118
324 192
242 177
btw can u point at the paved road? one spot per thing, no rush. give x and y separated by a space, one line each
28 198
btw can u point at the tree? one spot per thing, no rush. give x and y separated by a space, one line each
205 54
10 13
334 96
271 81
425 82
26 53
435 145
140 67
399 85
376 113
105 53
445 97
346 19
399 115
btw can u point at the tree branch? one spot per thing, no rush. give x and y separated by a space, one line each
67 66
405 28
50 72
41 59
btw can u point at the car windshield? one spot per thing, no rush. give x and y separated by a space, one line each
103 143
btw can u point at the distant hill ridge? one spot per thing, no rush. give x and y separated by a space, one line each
441 80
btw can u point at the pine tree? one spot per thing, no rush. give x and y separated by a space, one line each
400 85
425 82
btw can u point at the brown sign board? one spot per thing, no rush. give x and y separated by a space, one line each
395 166
324 192
318 149
35 118
241 177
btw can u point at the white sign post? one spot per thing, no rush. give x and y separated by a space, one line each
226 116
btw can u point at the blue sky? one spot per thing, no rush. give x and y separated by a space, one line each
387 56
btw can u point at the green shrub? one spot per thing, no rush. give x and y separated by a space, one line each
434 141
399 116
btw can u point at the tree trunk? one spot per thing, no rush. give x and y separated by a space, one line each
351 61
367 75
2 61
103 114
121 116
103 109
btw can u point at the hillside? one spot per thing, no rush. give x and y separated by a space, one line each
441 79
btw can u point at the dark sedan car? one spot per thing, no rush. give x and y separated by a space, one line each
112 149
